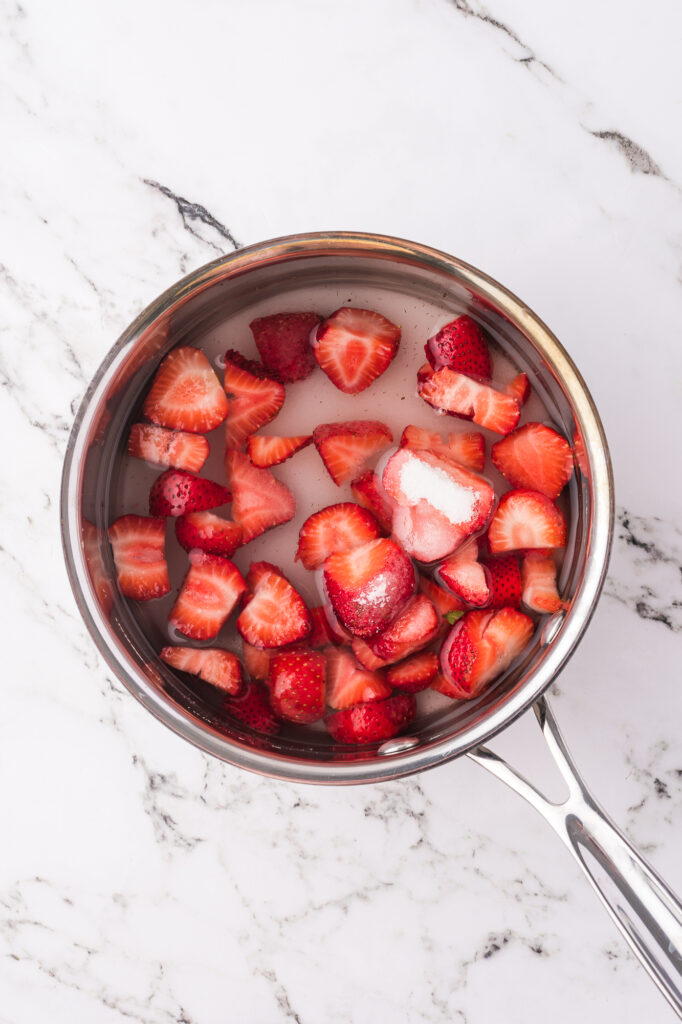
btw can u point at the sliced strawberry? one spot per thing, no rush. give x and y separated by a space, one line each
185 393
270 451
538 577
208 532
519 388
252 707
468 449
416 626
368 586
471 400
252 366
296 682
526 519
256 660
369 493
354 347
481 646
424 372
333 529
534 456
466 576
276 614
348 683
322 633
283 343
442 685
220 668
138 544
373 722
415 674
260 500
445 602
253 402
505 581
345 447
461 346
176 492
168 447
365 656
424 532
209 592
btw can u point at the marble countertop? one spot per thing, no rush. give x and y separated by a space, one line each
139 879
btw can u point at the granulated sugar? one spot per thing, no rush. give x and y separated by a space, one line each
420 480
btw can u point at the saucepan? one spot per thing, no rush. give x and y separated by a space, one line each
640 903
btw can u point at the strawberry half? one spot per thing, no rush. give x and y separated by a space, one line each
354 347
445 602
373 722
526 519
365 656
275 614
415 674
336 528
348 683
220 668
208 532
369 585
253 366
283 343
176 492
505 581
270 451
256 660
209 592
470 400
185 393
253 402
168 447
469 449
461 346
369 493
536 457
519 388
538 579
481 646
466 576
322 632
138 544
252 707
296 682
416 626
345 447
260 500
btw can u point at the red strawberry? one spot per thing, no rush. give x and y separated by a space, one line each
535 456
416 626
505 581
354 347
253 402
208 532
415 674
260 500
252 366
168 447
461 346
252 707
424 532
276 614
296 682
519 388
283 343
333 529
348 683
368 586
256 660
442 685
538 576
322 632
270 451
91 538
138 545
176 491
365 656
466 576
481 646
368 492
220 668
424 372
445 602
526 519
345 447
468 449
209 592
371 723
471 400
185 393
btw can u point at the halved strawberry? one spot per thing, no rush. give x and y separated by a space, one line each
208 532
445 602
348 683
538 577
283 343
471 400
185 393
424 532
442 685
322 632
276 614
374 721
461 346
414 628
465 575
481 646
468 449
369 493
535 456
270 451
354 347
176 492
260 500
296 683
253 402
252 366
424 372
138 545
209 592
365 656
333 529
256 660
345 447
168 447
519 388
526 519
218 667
369 585
505 581
415 674
252 707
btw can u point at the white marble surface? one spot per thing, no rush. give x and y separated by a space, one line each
139 880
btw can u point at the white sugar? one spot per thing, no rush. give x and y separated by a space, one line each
420 480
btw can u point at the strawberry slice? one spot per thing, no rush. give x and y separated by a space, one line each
185 393
322 633
481 646
345 447
348 683
253 402
209 592
354 347
461 346
252 707
424 532
208 532
369 493
270 451
176 492
283 343
519 388
275 614
164 447
260 500
416 626
336 528
296 682
138 545
538 578
505 581
536 457
253 366
415 674
373 722
256 660
369 585
365 656
526 519
468 449
220 668
445 602
442 685
466 576
470 400
424 372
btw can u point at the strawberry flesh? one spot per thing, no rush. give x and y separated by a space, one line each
164 447
176 492
275 614
208 532
208 594
519 388
538 580
256 660
414 628
260 500
354 347
296 682
253 402
460 346
536 457
283 343
372 722
481 646
345 447
445 602
348 683
270 451
368 586
185 393
336 528
470 399
466 576
222 669
369 493
526 519
365 656
415 674
138 544
253 366
322 633
468 448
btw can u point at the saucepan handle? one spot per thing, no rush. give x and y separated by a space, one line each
644 908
